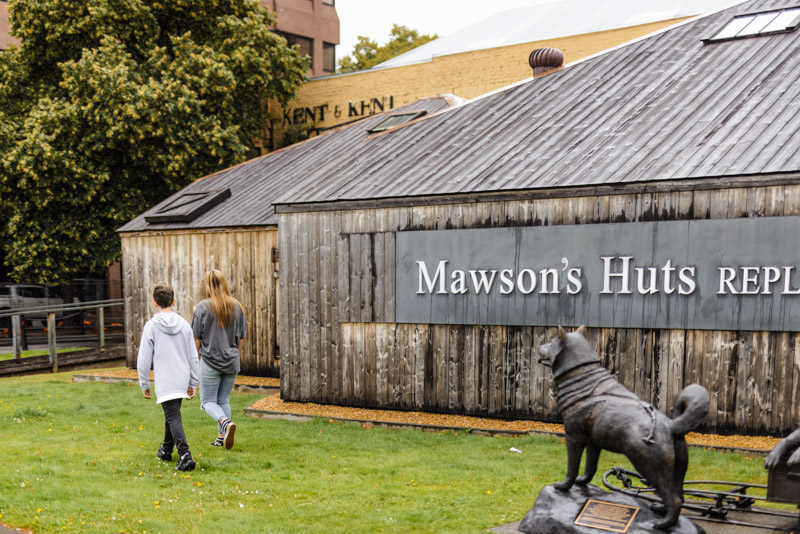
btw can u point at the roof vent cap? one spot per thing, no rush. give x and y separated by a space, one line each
543 60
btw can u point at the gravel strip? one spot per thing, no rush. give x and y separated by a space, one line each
275 404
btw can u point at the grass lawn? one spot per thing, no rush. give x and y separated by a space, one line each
81 458
42 352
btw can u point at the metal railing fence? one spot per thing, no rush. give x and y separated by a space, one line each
17 325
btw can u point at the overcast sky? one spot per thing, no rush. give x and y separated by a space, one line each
374 19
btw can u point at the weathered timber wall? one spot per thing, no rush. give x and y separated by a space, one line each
181 259
341 345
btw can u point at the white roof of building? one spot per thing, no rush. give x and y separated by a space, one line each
550 19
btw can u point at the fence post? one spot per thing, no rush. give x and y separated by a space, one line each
101 331
23 336
16 334
51 340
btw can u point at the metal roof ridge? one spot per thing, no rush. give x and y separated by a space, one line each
604 52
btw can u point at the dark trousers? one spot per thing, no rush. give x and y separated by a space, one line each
173 427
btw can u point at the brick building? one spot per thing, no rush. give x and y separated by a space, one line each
313 25
6 39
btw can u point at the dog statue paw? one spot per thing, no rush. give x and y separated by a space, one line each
564 485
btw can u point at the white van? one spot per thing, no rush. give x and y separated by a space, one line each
16 296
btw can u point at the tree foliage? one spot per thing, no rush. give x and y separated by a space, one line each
109 106
367 53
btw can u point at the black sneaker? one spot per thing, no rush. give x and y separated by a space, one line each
228 429
164 455
185 463
218 442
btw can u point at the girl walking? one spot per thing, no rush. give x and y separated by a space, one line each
219 330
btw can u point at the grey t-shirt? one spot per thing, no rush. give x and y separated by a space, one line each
219 348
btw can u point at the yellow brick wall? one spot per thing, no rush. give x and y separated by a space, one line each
334 100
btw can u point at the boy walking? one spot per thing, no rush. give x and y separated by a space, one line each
168 345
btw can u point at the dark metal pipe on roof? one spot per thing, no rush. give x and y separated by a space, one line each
544 60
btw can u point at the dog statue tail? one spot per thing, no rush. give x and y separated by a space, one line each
691 408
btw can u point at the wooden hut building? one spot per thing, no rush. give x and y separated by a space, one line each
651 192
226 221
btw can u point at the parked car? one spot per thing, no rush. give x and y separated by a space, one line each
16 296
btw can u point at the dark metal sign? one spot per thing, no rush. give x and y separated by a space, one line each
732 274
606 516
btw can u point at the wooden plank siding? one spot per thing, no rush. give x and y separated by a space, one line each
181 259
360 357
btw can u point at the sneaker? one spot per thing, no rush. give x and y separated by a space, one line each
218 442
186 463
228 429
164 455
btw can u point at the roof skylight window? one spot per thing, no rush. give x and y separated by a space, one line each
756 24
188 206
396 120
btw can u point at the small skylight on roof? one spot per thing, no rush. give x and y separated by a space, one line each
188 206
757 24
396 120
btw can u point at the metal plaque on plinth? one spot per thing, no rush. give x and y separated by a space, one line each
606 516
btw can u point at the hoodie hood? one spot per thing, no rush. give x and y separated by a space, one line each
168 322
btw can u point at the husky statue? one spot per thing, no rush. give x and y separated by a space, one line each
600 413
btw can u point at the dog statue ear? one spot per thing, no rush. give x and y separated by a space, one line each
581 330
561 333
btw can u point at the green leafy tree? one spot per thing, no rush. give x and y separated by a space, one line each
367 53
109 106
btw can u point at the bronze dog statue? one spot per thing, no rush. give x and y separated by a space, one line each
600 413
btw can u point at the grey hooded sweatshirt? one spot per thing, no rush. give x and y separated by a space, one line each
167 344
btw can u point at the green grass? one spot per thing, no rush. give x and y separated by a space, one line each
42 352
81 458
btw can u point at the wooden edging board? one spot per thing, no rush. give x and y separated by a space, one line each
67 361
287 416
242 388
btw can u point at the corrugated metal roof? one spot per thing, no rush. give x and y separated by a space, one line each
662 108
665 107
552 20
255 184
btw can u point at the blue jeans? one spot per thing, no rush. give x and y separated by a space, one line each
215 393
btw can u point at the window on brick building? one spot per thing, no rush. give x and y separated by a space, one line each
329 58
304 43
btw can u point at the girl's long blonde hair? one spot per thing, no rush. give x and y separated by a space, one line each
223 305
